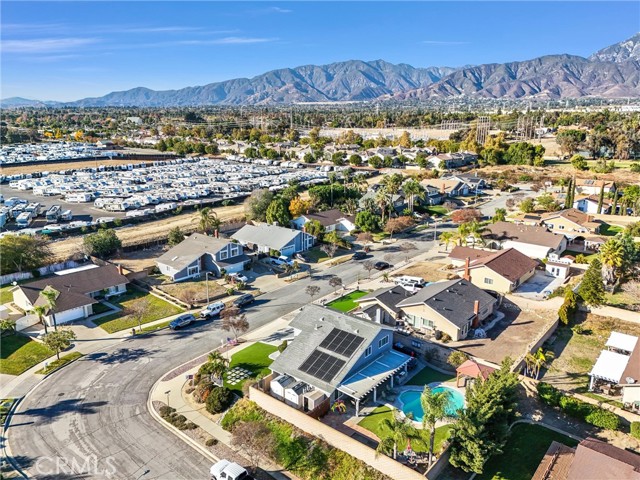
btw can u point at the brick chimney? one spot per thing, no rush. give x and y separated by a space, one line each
467 275
476 316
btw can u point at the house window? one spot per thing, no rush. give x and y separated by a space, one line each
488 281
368 351
223 255
194 270
416 344
560 227
383 341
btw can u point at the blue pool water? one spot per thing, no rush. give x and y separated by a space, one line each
411 402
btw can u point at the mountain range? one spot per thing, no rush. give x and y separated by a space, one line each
613 72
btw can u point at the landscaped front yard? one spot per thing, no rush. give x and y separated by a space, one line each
255 359
429 375
316 255
430 271
19 353
347 302
373 423
157 309
523 452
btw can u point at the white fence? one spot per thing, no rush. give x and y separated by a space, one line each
26 322
19 276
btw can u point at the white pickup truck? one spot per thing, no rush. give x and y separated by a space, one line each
226 470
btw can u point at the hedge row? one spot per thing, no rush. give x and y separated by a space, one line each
635 430
577 408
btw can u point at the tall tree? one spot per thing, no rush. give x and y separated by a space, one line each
255 207
277 212
208 220
434 406
234 321
50 295
41 311
59 340
413 190
23 253
612 257
591 288
400 431
500 215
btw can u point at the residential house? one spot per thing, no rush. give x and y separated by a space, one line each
447 187
334 355
591 459
77 290
557 266
571 223
381 306
589 204
432 196
593 186
473 181
533 241
459 255
200 253
331 220
398 200
502 271
452 307
448 161
265 237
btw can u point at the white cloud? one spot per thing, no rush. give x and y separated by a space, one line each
444 42
43 45
223 41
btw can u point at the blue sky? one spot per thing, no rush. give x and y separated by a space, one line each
66 51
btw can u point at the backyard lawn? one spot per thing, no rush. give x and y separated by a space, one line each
19 353
373 423
255 359
5 295
429 375
347 302
522 453
610 230
158 309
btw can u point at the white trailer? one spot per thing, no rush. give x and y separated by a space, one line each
24 220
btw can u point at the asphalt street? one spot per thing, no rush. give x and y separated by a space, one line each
90 419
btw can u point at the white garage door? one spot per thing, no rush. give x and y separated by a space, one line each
69 315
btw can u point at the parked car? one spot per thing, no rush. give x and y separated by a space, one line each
181 321
381 265
212 310
243 300
301 257
359 255
238 277
226 470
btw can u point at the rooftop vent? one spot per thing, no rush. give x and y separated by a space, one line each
630 380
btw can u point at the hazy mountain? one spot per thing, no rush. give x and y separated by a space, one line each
13 102
620 52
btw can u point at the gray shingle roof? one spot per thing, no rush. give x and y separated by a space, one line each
453 299
503 231
329 217
389 297
272 236
190 249
315 323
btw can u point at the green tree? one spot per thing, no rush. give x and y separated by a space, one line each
7 325
175 236
216 365
548 203
208 220
413 190
579 162
591 288
255 207
23 253
355 160
527 205
277 212
314 227
400 431
41 311
447 238
536 360
500 215
367 221
51 295
570 140
612 258
102 244
434 407
59 340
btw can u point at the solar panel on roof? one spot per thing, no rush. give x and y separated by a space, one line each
342 342
322 366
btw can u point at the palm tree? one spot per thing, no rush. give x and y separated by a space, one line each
447 238
382 201
51 295
360 182
208 220
41 311
400 431
413 190
218 364
612 258
475 230
434 406
535 361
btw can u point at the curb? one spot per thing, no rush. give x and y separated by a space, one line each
195 445
6 450
46 375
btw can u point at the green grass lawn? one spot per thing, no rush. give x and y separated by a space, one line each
429 375
522 453
158 309
100 308
347 302
437 211
588 257
5 295
255 359
19 353
610 230
373 423
56 364
315 255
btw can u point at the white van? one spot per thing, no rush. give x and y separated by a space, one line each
410 282
226 470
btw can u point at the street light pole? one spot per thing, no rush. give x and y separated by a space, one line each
167 394
206 281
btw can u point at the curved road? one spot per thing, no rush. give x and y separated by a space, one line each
90 420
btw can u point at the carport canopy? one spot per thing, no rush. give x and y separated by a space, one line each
622 341
609 366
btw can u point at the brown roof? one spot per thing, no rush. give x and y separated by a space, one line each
473 369
74 287
461 253
595 459
572 214
633 367
329 217
556 463
509 263
503 231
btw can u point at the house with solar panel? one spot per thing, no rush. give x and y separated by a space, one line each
335 355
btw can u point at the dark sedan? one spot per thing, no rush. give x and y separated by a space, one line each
243 300
359 255
381 265
181 321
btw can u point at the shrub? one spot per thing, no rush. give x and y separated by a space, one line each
283 346
581 258
446 338
202 391
549 394
575 408
189 390
635 430
211 442
603 418
457 358
190 426
166 411
244 410
219 399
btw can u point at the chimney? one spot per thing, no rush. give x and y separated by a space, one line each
467 275
476 311
304 229
216 233
120 269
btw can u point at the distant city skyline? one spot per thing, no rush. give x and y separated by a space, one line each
66 51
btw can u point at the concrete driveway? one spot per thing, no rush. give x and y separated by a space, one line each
539 286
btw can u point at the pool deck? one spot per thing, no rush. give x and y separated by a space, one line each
398 404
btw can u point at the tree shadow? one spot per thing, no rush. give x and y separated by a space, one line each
46 415
122 355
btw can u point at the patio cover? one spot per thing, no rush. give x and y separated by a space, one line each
609 366
473 369
373 374
622 341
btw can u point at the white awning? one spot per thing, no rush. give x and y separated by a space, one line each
610 366
622 341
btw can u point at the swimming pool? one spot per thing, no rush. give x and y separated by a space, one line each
411 402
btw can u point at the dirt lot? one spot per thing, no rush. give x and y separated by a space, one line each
575 353
139 260
430 271
190 291
64 248
511 336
